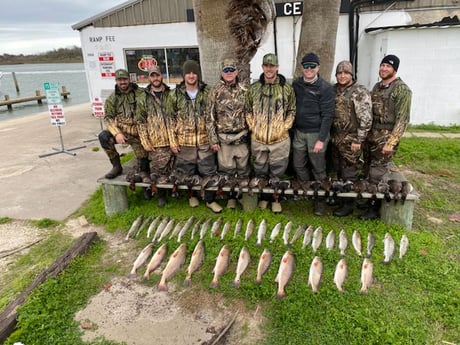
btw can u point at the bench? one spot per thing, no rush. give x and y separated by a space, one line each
116 198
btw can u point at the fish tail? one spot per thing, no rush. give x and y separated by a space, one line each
132 275
162 286
236 283
188 281
280 294
214 284
258 280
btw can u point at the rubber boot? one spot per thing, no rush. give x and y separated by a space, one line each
346 209
161 198
117 169
145 170
373 212
319 208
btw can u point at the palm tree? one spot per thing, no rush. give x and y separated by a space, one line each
319 33
230 28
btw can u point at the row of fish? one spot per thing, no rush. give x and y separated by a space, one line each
285 271
166 228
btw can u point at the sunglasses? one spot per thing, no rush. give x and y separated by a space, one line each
229 69
309 65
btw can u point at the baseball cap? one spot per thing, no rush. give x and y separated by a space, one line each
270 59
229 63
155 69
121 73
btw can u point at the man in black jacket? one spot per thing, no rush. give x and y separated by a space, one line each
314 113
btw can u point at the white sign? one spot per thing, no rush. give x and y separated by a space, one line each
107 64
56 114
98 107
55 108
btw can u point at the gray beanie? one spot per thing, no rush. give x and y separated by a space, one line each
191 66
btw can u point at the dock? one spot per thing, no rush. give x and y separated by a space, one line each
39 97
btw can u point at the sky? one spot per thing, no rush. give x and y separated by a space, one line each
32 26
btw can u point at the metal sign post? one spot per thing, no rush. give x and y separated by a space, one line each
56 111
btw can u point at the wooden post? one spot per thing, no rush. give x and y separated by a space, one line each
39 100
64 93
15 81
398 213
115 199
249 202
9 106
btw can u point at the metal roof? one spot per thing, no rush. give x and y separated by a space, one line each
445 22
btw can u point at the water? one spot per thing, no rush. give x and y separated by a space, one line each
31 77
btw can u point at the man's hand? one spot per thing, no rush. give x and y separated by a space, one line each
215 147
387 149
318 146
175 149
120 138
355 147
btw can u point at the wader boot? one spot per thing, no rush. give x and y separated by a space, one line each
345 209
161 198
144 170
117 169
319 207
373 212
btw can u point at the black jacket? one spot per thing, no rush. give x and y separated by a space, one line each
315 106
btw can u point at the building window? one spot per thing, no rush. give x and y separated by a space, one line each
170 61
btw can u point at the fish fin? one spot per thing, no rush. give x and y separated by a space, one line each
236 283
280 294
162 286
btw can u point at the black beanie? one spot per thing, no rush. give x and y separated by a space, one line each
392 60
191 66
310 57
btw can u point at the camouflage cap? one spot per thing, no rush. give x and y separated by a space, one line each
344 66
121 73
270 59
155 69
229 63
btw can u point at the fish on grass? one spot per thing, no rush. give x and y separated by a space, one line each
238 227
340 274
222 262
185 228
243 262
261 231
156 260
249 229
160 229
370 244
275 231
388 248
195 262
403 246
356 241
298 233
286 232
343 242
176 260
195 228
204 227
285 271
153 225
330 240
265 260
168 228
315 274
216 227
317 239
141 259
225 229
143 226
307 236
366 275
134 227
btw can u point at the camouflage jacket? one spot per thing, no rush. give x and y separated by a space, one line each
270 110
391 108
188 117
120 111
315 106
153 118
353 111
225 112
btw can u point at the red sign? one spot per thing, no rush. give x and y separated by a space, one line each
146 62
98 107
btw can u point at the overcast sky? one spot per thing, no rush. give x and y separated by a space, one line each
38 26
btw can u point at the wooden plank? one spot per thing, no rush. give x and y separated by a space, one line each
8 316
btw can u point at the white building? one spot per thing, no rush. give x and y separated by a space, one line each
136 33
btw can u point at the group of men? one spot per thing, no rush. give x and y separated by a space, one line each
255 131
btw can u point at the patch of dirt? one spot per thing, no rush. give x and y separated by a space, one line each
127 310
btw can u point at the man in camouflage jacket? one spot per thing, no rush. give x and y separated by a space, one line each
153 112
189 138
391 103
120 121
270 112
350 126
228 131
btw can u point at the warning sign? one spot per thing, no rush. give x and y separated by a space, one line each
56 114
107 64
98 107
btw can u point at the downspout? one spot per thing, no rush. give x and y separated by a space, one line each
274 35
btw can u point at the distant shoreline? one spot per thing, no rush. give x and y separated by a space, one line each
61 55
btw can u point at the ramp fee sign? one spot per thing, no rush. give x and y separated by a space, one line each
55 108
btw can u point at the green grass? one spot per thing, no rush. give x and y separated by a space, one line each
415 300
430 127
